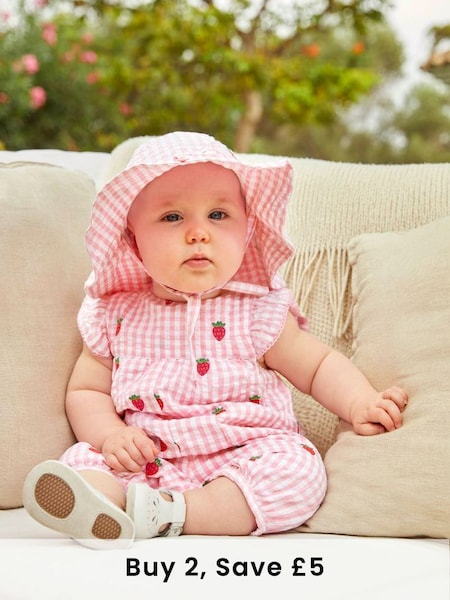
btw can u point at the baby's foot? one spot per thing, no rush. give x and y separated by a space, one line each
155 512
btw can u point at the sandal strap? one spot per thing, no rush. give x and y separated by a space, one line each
179 514
149 510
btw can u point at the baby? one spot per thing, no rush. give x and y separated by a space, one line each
182 421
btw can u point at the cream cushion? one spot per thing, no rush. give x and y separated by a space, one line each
45 211
397 484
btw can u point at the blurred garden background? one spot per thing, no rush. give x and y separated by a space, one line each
310 78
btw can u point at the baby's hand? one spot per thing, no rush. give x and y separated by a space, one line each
128 449
379 413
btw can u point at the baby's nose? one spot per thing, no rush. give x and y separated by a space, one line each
197 234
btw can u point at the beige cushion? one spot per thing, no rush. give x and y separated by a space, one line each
44 213
398 484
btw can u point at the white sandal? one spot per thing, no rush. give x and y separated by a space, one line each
59 498
149 511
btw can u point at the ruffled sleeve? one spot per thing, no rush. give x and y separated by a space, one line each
269 318
92 326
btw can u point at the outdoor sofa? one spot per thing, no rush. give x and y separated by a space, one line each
371 271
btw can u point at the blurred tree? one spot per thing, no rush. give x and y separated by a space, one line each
418 129
118 69
334 139
416 132
438 63
424 124
226 70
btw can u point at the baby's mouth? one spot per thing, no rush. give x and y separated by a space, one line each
197 261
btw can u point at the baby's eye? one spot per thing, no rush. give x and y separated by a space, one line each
217 215
171 218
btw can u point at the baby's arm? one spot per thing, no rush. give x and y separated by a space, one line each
93 417
334 381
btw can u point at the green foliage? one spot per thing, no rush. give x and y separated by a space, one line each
56 59
115 69
86 74
424 123
417 132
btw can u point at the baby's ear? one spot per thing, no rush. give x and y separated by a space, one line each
131 240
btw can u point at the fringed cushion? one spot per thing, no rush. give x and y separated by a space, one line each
397 484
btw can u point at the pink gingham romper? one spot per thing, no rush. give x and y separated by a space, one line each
192 375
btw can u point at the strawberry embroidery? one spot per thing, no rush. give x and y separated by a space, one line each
151 468
137 401
253 458
308 449
218 330
118 325
162 446
202 366
159 401
116 363
256 398
218 410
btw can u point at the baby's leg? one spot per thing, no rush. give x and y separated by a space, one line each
268 486
219 508
90 464
106 484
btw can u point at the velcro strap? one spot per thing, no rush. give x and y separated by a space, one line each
178 514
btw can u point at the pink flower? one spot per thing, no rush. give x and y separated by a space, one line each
5 16
30 64
87 38
40 3
125 108
68 56
71 54
38 97
49 33
93 77
4 98
89 57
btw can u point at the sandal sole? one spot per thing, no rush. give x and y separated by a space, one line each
59 498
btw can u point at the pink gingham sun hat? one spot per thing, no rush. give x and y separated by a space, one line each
267 187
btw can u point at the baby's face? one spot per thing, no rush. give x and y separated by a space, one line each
190 226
